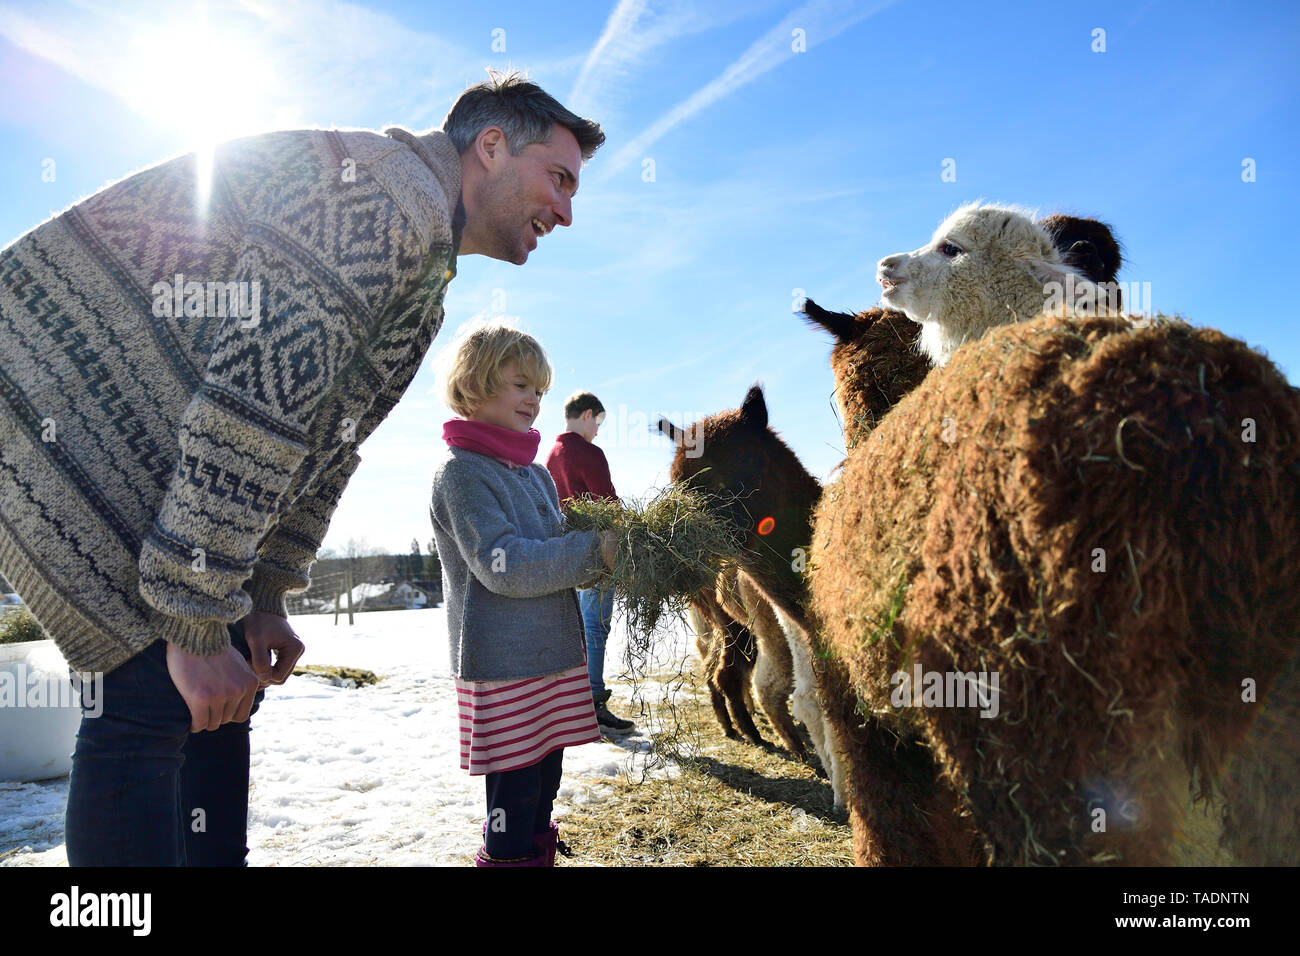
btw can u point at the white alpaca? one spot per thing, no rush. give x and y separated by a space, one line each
985 266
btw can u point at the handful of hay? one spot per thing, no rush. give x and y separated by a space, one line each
669 550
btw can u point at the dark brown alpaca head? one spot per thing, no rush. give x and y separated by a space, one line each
1086 244
765 489
875 359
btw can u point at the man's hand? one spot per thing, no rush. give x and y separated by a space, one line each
266 633
218 689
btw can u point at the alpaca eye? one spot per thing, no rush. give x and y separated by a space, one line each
949 250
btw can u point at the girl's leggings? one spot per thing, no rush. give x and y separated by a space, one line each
519 805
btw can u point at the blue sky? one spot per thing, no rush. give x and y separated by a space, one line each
774 170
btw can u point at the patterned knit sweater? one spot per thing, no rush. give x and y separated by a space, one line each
165 470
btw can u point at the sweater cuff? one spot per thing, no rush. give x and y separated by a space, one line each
205 638
267 591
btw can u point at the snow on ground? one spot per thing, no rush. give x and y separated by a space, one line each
371 775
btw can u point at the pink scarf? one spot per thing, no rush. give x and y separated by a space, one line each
493 440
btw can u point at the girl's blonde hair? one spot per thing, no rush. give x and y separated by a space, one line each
475 372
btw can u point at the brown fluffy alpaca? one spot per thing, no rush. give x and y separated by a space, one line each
1074 507
875 361
740 456
753 655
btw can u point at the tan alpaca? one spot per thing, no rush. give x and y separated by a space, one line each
728 653
772 680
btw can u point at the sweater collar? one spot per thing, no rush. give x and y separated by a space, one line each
439 153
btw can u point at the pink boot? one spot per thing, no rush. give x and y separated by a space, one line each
481 858
545 843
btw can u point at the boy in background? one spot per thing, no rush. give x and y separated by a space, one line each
579 467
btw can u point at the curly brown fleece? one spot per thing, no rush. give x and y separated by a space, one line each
1075 506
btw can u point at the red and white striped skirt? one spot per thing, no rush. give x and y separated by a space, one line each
508 724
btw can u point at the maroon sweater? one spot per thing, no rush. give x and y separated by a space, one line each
579 468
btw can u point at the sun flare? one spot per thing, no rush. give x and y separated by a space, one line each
204 82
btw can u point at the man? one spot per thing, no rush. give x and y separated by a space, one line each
187 369
579 467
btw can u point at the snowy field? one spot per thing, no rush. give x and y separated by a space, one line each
363 776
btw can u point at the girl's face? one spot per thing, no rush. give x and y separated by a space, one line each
514 405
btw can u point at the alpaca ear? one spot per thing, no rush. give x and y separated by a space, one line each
1065 291
1083 255
754 409
674 433
839 324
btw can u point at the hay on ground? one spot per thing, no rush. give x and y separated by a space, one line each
726 803
338 675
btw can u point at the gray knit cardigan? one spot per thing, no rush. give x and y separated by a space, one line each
164 471
508 568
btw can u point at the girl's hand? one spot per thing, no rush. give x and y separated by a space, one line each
609 548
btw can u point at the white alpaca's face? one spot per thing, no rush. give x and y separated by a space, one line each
914 282
974 273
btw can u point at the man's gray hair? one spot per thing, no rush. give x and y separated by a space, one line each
524 112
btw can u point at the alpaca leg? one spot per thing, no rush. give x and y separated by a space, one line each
837 770
736 661
773 680
773 684
729 610
902 812
733 675
719 700
747 692
708 646
807 707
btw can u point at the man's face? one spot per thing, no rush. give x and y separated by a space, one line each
521 198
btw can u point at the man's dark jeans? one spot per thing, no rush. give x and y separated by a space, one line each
147 792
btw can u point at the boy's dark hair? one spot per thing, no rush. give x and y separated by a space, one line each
579 402
524 111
